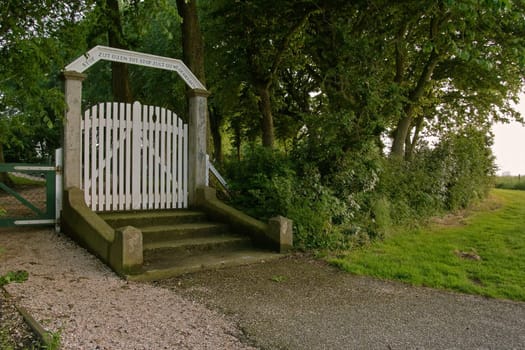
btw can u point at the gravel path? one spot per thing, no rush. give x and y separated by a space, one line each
71 292
301 303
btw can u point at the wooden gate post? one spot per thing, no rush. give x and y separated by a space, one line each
197 142
72 133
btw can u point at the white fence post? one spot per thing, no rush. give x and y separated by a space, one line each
58 187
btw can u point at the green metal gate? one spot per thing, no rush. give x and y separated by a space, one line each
32 194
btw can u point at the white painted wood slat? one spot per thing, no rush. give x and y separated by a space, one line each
156 178
151 136
93 175
85 181
180 197
136 157
128 150
169 150
107 163
184 167
120 175
162 158
144 156
115 155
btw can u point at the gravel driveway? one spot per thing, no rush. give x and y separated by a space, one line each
292 303
301 303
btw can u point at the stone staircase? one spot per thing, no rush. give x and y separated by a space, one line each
182 241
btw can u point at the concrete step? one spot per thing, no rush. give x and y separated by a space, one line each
183 241
171 266
159 233
161 250
145 218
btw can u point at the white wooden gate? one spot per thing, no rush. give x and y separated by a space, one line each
134 157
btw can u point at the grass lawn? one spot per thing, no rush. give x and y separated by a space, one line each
481 252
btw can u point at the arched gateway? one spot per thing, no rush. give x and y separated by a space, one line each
122 160
128 156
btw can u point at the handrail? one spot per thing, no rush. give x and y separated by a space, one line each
211 169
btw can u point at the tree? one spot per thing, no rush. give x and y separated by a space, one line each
258 46
32 53
193 56
192 41
462 52
25 19
109 22
411 65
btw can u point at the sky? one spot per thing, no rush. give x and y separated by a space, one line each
509 145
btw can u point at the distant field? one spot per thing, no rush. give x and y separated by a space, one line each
480 251
511 182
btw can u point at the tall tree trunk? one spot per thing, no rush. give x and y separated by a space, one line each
404 124
215 120
414 97
265 107
119 71
412 142
193 56
192 42
401 132
237 140
263 79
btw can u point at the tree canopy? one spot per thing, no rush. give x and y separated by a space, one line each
345 89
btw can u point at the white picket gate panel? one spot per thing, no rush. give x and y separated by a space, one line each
134 157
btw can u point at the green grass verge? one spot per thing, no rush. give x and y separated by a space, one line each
446 256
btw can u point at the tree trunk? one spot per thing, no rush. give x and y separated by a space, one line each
192 42
119 71
237 138
193 56
401 132
405 122
411 143
215 121
265 107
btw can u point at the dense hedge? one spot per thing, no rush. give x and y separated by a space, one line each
361 193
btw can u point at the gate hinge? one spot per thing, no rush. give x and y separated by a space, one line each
58 169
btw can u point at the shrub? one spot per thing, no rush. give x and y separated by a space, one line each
469 167
264 184
254 181
452 175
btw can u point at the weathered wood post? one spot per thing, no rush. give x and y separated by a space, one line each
198 103
72 133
